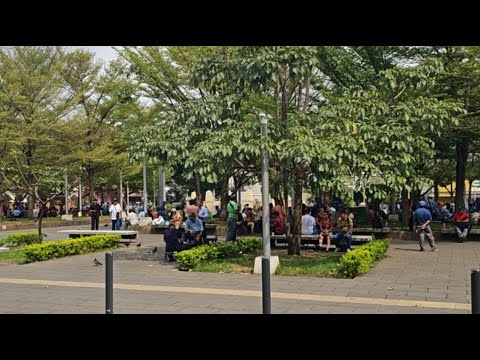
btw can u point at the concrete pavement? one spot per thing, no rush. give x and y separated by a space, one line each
405 281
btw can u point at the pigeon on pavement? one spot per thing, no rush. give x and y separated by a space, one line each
96 262
139 244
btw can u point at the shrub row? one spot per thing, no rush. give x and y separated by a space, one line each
361 259
21 239
189 259
58 249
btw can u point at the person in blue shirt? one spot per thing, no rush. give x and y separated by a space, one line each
202 216
422 218
193 230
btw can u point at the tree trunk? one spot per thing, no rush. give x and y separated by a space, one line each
223 198
461 158
405 209
294 244
286 222
415 196
30 203
436 192
197 186
91 184
469 192
40 218
393 205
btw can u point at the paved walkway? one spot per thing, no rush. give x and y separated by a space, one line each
406 281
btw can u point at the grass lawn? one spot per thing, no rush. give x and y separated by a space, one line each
309 263
16 255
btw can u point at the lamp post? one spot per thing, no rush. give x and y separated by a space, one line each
266 296
145 197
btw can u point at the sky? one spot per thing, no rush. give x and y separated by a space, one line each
105 53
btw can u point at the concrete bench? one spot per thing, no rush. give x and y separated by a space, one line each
313 239
160 229
452 230
125 234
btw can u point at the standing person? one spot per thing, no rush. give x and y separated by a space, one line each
115 211
232 211
422 218
94 212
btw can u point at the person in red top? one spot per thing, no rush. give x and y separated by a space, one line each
277 226
325 230
462 220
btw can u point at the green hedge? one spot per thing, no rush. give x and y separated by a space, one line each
21 239
189 259
360 260
58 249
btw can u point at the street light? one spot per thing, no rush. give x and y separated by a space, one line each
266 296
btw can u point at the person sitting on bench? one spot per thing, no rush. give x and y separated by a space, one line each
325 230
193 230
462 219
172 243
343 238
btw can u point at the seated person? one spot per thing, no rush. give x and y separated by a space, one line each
172 241
240 225
193 230
53 211
278 227
248 221
132 220
176 218
462 219
445 215
474 217
325 230
16 213
343 238
308 223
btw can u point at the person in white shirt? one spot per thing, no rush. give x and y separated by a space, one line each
308 223
115 211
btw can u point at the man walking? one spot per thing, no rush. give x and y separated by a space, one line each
422 218
115 210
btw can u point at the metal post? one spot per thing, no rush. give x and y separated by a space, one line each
128 199
153 187
66 193
145 196
161 185
108 283
80 196
121 191
266 296
475 291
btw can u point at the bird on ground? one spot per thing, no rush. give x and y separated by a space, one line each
105 225
152 251
96 262
139 244
127 244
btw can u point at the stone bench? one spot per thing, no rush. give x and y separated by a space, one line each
452 230
160 229
313 239
125 234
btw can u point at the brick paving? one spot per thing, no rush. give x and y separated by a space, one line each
406 281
